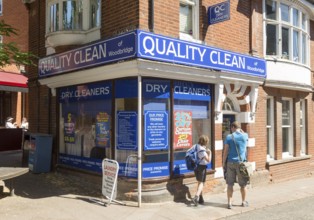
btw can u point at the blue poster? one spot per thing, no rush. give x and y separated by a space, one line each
126 130
151 170
102 130
156 130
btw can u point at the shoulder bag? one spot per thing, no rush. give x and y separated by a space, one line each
246 169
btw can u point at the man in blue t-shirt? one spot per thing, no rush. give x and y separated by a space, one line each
231 161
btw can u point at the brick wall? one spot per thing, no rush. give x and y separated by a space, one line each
15 13
119 16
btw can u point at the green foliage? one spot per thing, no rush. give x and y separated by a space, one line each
9 52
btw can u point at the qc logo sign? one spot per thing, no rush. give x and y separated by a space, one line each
219 12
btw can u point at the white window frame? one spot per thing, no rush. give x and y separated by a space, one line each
195 21
270 130
290 152
280 24
303 132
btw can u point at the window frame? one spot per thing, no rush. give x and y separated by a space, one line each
270 129
302 28
290 152
303 129
195 20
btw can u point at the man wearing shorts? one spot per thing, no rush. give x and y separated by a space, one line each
231 161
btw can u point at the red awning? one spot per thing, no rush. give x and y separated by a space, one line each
13 79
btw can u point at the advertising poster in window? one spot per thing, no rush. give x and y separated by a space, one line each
102 130
69 129
155 129
182 129
126 130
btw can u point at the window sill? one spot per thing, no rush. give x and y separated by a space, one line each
288 160
276 59
189 38
64 38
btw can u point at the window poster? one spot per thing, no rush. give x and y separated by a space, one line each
69 129
155 129
126 130
182 129
102 130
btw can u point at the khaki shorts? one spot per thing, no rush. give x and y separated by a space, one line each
233 175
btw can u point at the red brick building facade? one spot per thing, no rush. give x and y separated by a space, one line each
276 110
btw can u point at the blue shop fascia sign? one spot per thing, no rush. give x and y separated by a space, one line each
146 45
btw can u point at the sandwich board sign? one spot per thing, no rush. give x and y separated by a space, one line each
110 169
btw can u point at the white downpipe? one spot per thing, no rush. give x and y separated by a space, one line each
139 141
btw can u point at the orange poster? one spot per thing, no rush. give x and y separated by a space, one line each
182 129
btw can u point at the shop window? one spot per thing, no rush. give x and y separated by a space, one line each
270 128
85 125
287 128
126 113
191 118
303 131
287 32
189 19
156 127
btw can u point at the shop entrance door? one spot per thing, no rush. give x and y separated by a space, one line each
227 120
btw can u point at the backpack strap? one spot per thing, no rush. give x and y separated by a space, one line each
198 151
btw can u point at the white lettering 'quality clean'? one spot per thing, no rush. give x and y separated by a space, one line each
154 46
227 59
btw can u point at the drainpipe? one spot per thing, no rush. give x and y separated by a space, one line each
151 10
38 84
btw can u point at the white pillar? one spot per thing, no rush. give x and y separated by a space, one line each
139 140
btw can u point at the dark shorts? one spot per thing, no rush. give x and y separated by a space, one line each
200 173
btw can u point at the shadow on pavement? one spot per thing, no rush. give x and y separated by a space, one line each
36 186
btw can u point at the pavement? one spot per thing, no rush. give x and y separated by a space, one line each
60 196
